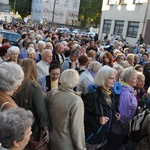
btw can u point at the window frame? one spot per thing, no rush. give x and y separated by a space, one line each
133 29
111 2
137 2
108 26
120 27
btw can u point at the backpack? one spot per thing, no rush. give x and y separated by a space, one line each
135 126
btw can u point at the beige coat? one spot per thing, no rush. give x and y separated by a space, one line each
67 115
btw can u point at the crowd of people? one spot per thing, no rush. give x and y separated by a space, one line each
62 86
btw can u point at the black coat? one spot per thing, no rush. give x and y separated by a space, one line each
95 133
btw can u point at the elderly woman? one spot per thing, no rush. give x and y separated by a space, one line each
15 128
127 106
13 53
100 109
30 96
68 128
31 53
140 91
87 77
11 76
131 59
119 70
49 46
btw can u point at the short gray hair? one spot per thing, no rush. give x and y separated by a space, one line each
103 74
130 55
75 53
13 49
45 51
119 68
14 122
128 73
94 66
41 43
31 50
76 46
70 75
11 75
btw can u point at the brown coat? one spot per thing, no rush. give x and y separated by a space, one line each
6 98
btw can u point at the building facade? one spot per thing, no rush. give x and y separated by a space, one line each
55 11
127 18
5 14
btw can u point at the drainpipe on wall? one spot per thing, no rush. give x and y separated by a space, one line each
145 17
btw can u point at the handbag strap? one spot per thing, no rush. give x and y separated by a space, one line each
102 112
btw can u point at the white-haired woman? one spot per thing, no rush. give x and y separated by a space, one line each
11 76
67 113
119 70
31 53
87 77
127 106
15 128
13 53
100 109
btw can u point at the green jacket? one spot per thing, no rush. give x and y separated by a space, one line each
35 102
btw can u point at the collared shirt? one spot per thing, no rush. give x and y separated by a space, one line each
42 68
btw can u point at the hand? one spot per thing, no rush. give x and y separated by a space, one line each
73 64
117 116
103 120
46 135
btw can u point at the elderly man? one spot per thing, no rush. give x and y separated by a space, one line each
41 46
13 53
71 61
43 65
58 53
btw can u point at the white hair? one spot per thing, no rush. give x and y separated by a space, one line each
128 73
70 75
103 74
13 49
39 37
130 55
64 43
41 43
11 75
31 50
76 46
119 68
16 121
94 66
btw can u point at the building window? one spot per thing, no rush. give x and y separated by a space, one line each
132 29
106 26
111 2
137 1
118 29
